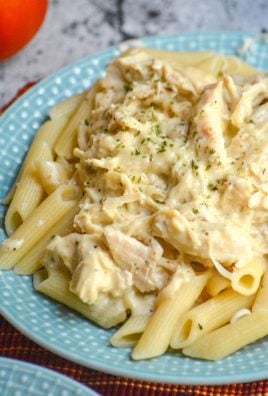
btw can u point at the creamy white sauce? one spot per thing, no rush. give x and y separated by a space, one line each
13 244
167 159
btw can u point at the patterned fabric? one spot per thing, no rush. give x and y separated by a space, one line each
14 345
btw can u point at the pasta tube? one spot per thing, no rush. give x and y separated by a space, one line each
31 261
67 140
67 107
216 284
209 62
51 174
47 214
29 192
130 332
230 338
261 301
106 311
208 316
246 280
157 334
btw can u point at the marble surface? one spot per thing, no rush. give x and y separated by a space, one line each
73 29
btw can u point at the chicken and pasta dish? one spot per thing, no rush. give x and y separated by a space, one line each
144 202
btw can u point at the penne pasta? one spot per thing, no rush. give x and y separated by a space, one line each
207 61
129 334
49 132
179 57
157 334
246 279
29 192
67 140
32 260
208 316
37 225
229 338
107 312
51 175
67 107
216 284
261 301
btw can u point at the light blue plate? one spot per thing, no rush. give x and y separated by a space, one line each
18 378
57 328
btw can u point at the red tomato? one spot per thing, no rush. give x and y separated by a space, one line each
19 21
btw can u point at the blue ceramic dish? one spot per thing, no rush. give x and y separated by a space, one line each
56 327
18 378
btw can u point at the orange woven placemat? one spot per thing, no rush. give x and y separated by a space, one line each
14 345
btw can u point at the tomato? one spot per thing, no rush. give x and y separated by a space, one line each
19 21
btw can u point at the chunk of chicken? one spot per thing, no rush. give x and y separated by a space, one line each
178 80
251 97
209 122
176 229
96 272
137 258
201 239
136 66
65 248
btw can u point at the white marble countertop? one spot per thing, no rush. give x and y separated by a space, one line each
73 29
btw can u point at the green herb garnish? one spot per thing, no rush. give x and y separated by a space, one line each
194 165
159 202
212 187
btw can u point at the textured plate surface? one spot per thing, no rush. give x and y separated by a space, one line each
56 327
19 379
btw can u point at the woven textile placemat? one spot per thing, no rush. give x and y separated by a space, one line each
14 345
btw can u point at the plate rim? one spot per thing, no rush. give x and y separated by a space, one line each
50 372
197 379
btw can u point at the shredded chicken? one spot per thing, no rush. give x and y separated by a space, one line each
173 158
